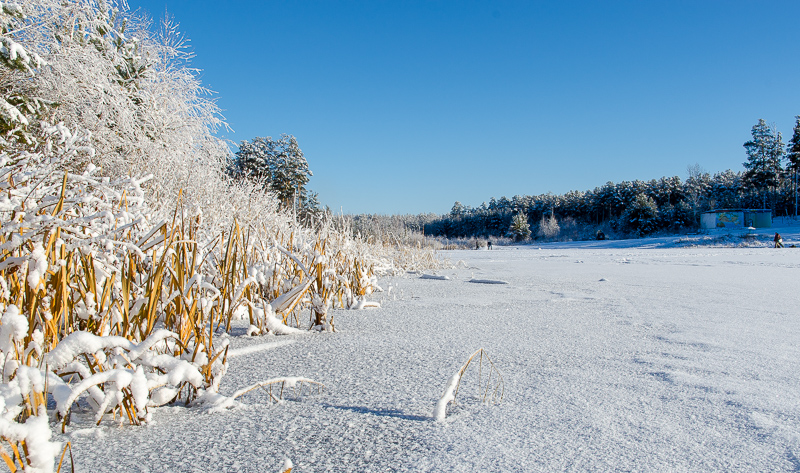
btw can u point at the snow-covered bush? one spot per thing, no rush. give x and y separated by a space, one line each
20 107
548 227
115 282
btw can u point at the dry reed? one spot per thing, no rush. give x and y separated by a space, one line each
491 391
103 302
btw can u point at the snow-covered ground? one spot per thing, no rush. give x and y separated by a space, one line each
637 355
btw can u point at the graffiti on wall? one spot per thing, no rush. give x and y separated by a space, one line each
729 219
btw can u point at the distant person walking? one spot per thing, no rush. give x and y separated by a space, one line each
778 240
489 245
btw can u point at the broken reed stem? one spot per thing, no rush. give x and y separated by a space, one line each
499 385
269 384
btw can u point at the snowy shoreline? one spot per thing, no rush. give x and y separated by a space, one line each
622 358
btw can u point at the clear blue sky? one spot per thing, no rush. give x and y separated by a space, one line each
407 106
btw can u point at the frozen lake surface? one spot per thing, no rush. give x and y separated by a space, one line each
637 356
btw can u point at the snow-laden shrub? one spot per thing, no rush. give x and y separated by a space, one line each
113 282
100 69
548 227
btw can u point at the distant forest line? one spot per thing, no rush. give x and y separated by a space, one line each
627 208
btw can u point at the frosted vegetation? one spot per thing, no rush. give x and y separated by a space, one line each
126 249
130 252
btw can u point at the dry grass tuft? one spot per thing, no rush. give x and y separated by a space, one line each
490 391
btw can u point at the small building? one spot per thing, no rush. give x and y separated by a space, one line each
736 218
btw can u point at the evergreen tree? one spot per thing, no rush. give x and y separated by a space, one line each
726 190
763 165
793 157
310 211
682 215
278 164
641 216
520 229
458 210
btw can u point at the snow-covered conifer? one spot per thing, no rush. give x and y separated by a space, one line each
277 164
520 229
764 153
641 217
793 157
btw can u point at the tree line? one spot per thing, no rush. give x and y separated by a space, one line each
635 208
769 180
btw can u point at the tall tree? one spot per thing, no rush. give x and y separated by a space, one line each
519 228
642 215
763 165
278 164
458 210
793 157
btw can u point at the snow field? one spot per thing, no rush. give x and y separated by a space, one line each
679 360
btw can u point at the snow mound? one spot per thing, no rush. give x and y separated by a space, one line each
487 281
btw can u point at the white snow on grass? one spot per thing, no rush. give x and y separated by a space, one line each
642 358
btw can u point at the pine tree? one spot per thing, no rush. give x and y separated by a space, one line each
793 157
520 229
458 210
763 165
278 164
641 216
310 211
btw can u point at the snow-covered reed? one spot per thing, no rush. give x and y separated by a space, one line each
117 287
491 391
111 301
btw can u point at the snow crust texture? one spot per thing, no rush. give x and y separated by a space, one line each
614 359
